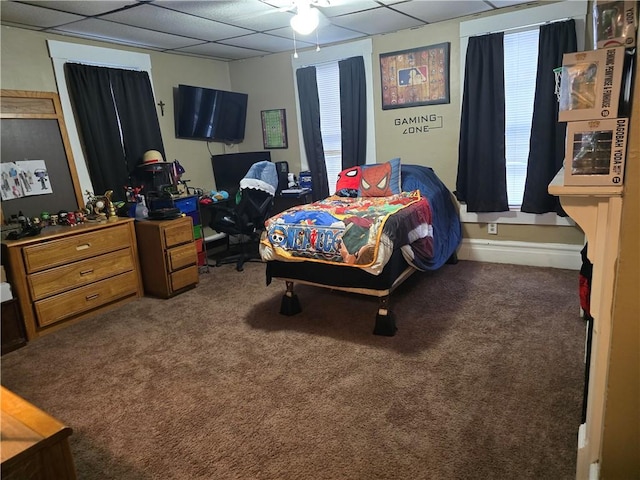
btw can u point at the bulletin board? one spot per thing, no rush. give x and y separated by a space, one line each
33 129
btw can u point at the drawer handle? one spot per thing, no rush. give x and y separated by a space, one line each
84 246
86 272
92 297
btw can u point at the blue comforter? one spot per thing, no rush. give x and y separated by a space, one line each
447 230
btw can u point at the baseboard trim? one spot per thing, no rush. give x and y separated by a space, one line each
556 255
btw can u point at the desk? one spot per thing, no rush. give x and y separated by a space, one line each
33 444
282 202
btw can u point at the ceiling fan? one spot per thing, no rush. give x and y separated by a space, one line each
307 16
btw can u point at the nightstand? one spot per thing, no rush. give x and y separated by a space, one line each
168 256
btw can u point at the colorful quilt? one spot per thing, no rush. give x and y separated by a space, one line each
360 232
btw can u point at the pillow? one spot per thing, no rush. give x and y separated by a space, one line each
381 180
348 182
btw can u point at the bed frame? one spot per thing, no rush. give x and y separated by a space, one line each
346 279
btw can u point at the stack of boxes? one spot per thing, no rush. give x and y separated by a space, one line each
595 97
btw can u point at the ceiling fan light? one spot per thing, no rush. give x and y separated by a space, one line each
305 21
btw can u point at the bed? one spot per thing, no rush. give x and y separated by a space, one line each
364 244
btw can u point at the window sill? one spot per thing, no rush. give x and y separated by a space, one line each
515 217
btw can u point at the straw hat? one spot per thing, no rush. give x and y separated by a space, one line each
152 156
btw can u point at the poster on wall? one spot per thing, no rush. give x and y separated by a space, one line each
415 77
274 128
24 178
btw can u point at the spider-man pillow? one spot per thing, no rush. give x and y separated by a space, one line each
348 183
380 180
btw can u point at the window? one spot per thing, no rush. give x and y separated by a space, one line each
519 23
520 69
328 80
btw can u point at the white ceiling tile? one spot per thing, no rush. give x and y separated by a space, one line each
263 41
438 11
507 3
91 8
19 13
110 31
221 51
344 7
326 34
177 23
238 28
247 14
376 21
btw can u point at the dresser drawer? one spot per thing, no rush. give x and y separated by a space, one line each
64 305
184 278
75 247
66 277
181 256
179 231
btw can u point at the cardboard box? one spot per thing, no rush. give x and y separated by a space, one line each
595 152
590 84
615 23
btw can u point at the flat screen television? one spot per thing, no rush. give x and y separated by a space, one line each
230 168
210 114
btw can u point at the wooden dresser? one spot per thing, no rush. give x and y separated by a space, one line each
168 256
33 444
65 274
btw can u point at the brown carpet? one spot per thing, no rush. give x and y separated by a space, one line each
482 381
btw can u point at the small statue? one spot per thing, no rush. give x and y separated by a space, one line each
111 209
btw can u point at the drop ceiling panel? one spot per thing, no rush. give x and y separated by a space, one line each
253 15
18 13
342 8
380 20
169 21
327 34
265 42
220 51
110 31
94 7
438 11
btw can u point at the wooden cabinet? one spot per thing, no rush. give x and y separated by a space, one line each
168 256
34 445
67 273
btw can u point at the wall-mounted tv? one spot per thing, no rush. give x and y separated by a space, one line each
210 114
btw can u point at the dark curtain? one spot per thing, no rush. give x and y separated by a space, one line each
90 91
547 144
353 111
482 178
310 120
138 117
101 97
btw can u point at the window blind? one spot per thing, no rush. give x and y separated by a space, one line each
328 80
520 69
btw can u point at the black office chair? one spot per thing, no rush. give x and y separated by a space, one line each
244 222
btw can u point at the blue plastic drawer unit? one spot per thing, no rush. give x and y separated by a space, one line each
187 205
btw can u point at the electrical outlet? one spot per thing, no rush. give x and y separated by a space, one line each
492 228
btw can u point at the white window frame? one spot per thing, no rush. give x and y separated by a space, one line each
504 22
63 52
335 53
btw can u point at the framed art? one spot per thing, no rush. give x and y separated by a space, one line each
415 77
274 128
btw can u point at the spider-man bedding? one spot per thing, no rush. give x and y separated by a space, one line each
365 244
